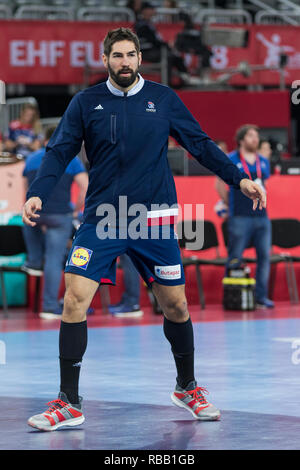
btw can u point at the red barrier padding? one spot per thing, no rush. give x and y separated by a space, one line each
283 193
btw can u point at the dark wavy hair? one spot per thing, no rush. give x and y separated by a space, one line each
242 131
120 34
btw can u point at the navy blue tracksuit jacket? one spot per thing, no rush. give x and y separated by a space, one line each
126 142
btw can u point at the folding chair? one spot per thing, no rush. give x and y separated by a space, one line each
275 258
11 244
210 240
286 234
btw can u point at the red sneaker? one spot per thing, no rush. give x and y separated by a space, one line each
60 413
192 399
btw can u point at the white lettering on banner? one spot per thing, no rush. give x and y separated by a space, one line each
84 51
46 53
90 55
34 52
31 53
219 59
77 53
168 272
16 52
55 51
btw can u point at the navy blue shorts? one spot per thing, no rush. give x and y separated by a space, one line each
156 259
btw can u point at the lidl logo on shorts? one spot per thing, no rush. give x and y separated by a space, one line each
80 257
168 272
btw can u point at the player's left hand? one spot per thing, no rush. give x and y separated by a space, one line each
254 192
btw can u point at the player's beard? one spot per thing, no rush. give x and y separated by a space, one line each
123 82
251 148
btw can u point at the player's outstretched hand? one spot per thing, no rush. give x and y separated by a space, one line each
29 210
254 192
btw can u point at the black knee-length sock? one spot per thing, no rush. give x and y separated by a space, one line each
72 346
181 338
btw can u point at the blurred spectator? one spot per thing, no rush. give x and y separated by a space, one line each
222 145
246 226
1 143
24 135
151 44
135 6
189 41
170 4
265 148
129 305
46 242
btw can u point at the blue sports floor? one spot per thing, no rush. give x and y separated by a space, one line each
251 368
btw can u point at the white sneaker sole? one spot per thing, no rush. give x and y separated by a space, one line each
137 314
33 272
69 422
49 316
212 417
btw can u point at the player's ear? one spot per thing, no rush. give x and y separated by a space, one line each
140 58
105 60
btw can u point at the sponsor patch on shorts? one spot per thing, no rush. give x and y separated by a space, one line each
168 272
80 257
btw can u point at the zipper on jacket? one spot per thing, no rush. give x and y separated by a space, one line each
122 145
124 128
113 128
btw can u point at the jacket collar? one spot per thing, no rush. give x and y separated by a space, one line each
133 91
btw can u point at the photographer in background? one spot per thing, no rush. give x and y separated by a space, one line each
151 44
189 41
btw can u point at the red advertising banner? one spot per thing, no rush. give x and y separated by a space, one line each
54 52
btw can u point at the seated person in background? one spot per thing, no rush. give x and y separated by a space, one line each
170 4
46 242
265 148
24 135
135 6
189 41
151 45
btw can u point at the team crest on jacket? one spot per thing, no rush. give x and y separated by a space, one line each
151 107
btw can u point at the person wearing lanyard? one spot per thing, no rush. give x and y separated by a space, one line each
246 226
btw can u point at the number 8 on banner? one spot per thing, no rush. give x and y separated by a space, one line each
2 92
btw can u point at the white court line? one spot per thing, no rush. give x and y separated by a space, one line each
286 340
